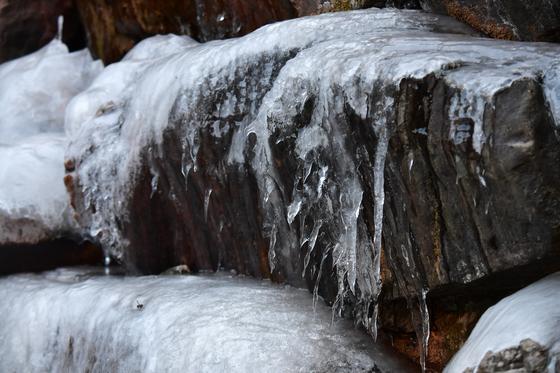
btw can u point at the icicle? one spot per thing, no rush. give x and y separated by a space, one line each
271 249
60 22
311 245
322 177
425 319
107 263
379 196
318 280
154 184
207 195
293 209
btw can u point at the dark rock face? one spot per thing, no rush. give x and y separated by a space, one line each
48 255
468 215
115 27
27 25
285 156
537 20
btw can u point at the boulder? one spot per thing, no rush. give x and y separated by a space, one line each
537 20
314 150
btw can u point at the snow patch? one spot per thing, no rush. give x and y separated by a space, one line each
533 312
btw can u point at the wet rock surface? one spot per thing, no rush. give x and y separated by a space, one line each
27 25
537 20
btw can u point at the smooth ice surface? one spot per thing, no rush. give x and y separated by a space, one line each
34 92
533 312
71 320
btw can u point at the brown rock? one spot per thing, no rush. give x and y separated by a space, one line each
537 20
114 27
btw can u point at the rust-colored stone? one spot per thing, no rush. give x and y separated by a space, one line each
471 16
537 20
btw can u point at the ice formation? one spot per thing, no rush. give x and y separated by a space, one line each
533 312
295 83
74 320
34 91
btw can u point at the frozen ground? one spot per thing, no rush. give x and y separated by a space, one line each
73 320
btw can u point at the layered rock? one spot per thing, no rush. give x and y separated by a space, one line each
28 25
537 20
300 150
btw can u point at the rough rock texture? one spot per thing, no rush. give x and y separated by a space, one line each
529 357
115 27
536 20
27 25
285 153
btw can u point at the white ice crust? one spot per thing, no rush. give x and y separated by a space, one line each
34 92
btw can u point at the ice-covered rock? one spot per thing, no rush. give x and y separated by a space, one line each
529 319
284 153
34 92
72 320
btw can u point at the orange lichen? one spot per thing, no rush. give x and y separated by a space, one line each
478 21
